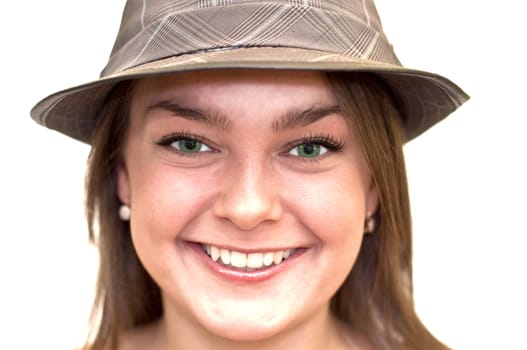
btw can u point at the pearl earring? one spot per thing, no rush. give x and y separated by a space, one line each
124 212
369 224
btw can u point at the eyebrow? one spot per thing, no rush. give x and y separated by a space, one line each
212 118
289 120
296 118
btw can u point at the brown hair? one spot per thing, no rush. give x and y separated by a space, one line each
376 298
126 296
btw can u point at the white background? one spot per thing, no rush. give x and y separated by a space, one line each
467 175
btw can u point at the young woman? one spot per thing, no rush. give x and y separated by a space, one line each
246 185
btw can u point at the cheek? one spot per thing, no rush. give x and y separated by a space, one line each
332 207
333 211
164 199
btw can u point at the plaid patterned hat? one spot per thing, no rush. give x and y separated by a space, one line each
164 36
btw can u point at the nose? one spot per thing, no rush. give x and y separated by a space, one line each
249 196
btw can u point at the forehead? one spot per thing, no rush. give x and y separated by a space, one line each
252 99
209 86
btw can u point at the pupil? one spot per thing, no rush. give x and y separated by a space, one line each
190 145
309 149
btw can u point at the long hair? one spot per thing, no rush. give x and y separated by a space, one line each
376 298
126 296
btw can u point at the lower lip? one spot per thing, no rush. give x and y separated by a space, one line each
241 275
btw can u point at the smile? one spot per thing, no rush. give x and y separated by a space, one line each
246 261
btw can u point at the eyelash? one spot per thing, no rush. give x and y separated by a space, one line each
168 140
327 141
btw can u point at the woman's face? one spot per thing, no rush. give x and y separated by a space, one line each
248 197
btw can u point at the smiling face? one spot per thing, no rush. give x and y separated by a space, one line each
248 198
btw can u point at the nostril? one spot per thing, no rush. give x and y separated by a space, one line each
248 212
249 195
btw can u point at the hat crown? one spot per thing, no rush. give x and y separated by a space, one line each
155 29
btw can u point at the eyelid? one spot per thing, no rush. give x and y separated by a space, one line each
167 140
329 142
296 154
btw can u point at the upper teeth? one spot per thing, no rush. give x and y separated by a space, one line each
246 260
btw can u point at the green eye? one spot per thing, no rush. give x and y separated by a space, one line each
308 150
189 146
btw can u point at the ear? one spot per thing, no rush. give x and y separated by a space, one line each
123 184
372 200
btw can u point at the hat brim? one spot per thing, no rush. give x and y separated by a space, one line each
424 98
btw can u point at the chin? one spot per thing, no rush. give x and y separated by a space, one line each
244 329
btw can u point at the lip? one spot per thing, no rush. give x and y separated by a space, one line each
244 276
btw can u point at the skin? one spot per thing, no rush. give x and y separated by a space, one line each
248 189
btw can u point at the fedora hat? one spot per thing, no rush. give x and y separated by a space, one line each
166 36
